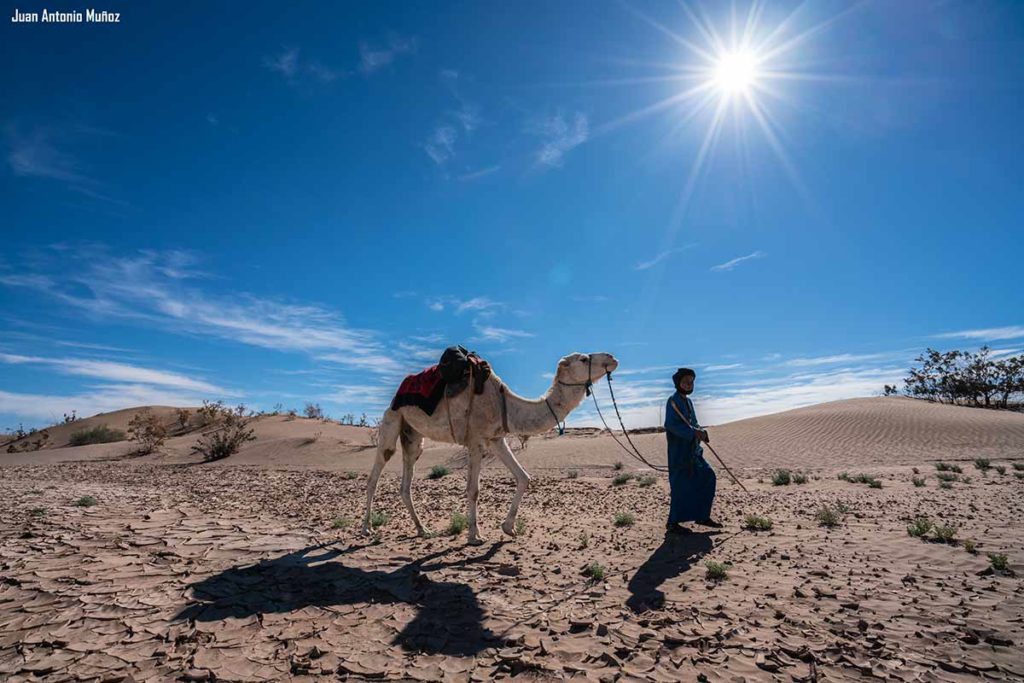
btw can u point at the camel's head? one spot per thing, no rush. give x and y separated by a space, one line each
577 368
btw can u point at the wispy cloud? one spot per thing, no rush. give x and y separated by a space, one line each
838 358
644 265
476 175
459 306
159 289
560 136
440 146
986 334
729 265
373 58
47 407
35 154
290 64
117 372
499 334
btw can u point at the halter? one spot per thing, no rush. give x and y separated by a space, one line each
589 383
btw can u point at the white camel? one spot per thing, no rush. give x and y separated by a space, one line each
480 423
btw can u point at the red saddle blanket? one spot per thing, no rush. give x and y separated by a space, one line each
424 390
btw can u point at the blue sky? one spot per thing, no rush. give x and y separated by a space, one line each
286 205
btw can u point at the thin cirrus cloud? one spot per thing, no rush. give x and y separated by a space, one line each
372 58
644 265
35 154
560 136
290 64
159 289
729 265
117 372
986 334
499 334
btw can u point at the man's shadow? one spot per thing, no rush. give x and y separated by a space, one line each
674 556
449 618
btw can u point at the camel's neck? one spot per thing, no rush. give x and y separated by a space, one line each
533 416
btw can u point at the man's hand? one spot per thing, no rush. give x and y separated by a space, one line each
702 434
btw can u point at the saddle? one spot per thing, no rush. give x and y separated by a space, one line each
457 365
450 377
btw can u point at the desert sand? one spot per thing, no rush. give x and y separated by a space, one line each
249 568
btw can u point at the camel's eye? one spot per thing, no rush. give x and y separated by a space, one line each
584 359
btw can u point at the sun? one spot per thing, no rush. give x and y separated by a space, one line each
735 73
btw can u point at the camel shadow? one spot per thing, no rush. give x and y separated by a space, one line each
674 556
449 619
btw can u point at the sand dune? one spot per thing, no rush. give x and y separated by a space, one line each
250 569
856 433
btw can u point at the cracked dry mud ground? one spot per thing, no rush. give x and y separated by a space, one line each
233 573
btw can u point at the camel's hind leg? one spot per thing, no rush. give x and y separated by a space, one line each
504 453
387 443
476 456
412 448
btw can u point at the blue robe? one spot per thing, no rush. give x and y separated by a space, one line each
689 476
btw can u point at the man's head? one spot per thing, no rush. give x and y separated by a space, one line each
683 379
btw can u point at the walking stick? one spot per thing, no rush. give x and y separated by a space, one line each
738 483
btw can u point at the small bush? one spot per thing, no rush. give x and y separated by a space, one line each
970 546
146 430
799 478
350 475
595 572
624 519
572 474
828 517
584 540
457 524
998 561
1019 475
379 519
918 481
946 467
946 476
647 480
757 523
520 527
781 478
227 439
982 464
37 512
313 411
965 480
716 571
945 484
920 527
618 466
845 476
341 523
438 471
874 484
621 479
86 502
1001 469
1019 466
945 534
842 508
98 434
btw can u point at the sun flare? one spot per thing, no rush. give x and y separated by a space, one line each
735 73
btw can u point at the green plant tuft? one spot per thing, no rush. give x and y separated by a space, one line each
595 572
781 478
998 561
341 523
621 479
457 524
920 527
757 523
624 519
647 480
86 501
828 517
918 481
98 434
716 571
438 471
379 519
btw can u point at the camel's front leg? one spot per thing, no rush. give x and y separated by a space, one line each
504 453
472 492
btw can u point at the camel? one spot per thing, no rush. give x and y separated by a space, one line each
477 423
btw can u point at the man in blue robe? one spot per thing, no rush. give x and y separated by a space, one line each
690 478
